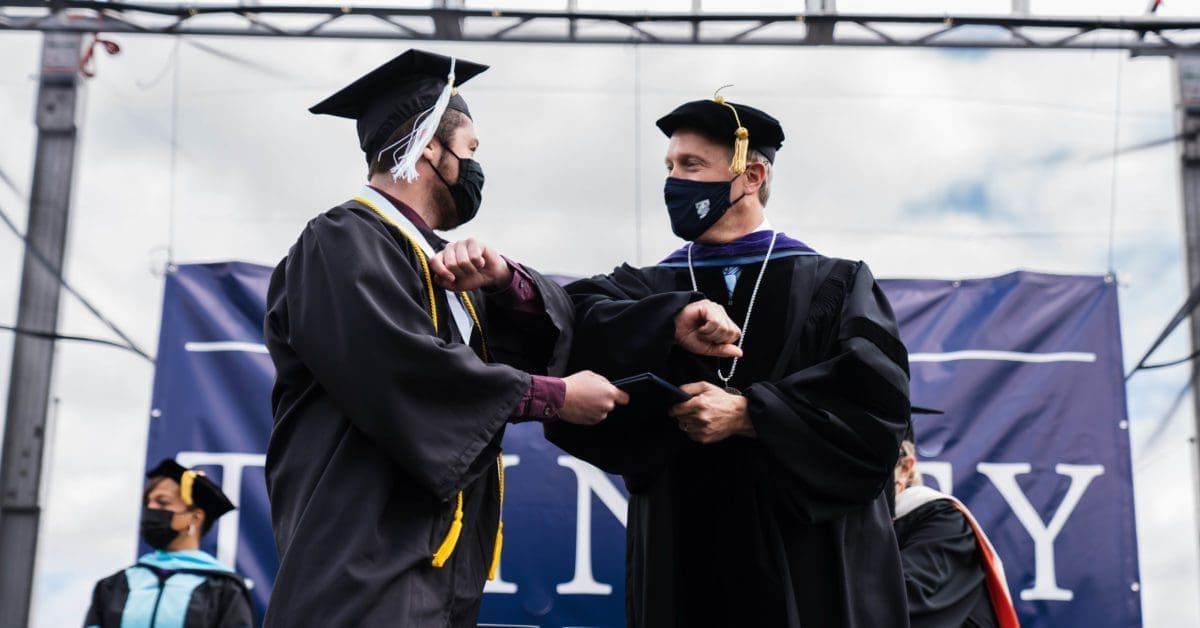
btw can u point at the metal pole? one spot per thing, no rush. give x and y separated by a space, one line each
820 34
448 27
1188 103
32 361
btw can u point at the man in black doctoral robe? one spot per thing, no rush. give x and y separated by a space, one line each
763 499
400 358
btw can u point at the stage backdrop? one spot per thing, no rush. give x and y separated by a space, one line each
1027 368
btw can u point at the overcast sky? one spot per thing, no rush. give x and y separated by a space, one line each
923 163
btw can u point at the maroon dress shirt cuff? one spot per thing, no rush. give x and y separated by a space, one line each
542 402
521 294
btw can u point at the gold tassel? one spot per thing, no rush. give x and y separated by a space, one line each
496 549
447 547
496 552
740 147
741 137
186 482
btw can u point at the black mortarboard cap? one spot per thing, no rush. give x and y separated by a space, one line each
716 119
384 98
908 430
196 489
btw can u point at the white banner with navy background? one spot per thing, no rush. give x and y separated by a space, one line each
1034 439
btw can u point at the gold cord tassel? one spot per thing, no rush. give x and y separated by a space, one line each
740 146
186 482
741 137
498 547
496 552
447 547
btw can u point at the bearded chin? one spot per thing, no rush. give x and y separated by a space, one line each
444 202
447 214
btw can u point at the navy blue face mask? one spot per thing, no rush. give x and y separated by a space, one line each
695 206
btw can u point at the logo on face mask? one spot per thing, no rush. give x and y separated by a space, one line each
695 206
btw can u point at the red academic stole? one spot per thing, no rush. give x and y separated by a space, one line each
997 586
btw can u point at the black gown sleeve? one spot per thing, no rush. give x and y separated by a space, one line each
624 326
833 428
92 618
234 609
107 596
534 342
357 317
942 570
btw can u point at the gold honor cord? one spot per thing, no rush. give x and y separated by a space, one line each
451 541
420 255
499 545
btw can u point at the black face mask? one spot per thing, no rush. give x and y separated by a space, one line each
695 206
156 527
467 192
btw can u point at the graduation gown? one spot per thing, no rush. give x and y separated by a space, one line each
942 572
792 528
952 572
187 589
381 421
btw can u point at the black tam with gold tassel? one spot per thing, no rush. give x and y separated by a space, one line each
741 126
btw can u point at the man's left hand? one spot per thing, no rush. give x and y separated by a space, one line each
712 415
468 265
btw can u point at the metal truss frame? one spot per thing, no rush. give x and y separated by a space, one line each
1146 34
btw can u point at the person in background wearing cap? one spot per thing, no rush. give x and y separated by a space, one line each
400 358
763 499
953 575
177 584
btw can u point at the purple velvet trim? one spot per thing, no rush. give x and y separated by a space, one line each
750 244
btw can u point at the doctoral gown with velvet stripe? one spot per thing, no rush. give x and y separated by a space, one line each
186 589
791 528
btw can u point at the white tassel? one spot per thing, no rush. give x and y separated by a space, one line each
408 150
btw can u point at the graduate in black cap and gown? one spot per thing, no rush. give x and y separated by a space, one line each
176 584
400 358
763 499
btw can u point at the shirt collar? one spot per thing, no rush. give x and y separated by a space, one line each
403 208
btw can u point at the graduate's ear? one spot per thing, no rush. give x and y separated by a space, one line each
433 150
196 524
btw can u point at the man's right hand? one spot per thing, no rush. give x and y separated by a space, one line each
704 328
590 398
